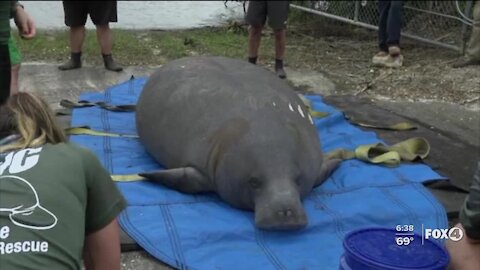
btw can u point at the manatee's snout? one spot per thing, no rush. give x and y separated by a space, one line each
280 211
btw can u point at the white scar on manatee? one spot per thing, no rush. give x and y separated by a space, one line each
290 106
300 111
274 104
310 117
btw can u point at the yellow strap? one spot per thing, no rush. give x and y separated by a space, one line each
126 177
372 154
399 126
408 150
85 130
309 106
317 114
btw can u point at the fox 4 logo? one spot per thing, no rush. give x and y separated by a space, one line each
455 234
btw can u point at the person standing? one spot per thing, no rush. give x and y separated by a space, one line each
16 60
472 52
27 30
101 14
389 29
277 14
465 253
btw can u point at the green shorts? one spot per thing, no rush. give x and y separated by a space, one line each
15 55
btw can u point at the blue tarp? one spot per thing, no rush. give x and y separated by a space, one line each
202 232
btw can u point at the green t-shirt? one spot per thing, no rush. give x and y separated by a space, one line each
50 198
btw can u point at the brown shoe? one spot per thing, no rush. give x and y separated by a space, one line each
464 61
394 51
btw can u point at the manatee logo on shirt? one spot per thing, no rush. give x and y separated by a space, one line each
20 201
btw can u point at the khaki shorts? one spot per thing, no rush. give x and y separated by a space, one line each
275 11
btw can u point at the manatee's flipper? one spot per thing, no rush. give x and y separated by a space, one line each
328 167
187 179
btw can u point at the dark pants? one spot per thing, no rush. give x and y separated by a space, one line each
5 73
390 23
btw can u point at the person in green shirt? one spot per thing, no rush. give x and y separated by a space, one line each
465 253
472 50
57 203
27 30
16 61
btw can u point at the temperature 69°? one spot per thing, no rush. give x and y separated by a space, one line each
404 241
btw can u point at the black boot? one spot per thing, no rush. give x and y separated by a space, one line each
252 60
110 64
74 62
279 69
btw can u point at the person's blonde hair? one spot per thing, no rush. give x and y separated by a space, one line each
31 118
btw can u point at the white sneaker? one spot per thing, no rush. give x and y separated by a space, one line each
394 61
380 58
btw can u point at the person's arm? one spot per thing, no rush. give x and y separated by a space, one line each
104 204
102 248
470 213
24 22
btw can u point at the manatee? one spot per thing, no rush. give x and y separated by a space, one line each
233 128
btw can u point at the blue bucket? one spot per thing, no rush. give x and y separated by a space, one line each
377 249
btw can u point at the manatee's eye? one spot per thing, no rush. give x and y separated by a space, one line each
298 182
254 183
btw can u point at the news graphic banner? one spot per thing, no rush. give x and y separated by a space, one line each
202 232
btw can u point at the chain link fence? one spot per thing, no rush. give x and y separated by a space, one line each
442 23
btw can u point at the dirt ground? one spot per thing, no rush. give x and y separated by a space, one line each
345 58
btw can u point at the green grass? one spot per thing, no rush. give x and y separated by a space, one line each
150 47
133 47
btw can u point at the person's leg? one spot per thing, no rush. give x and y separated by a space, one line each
15 60
14 86
256 17
77 37
382 55
5 73
473 49
104 37
472 52
102 13
254 39
394 25
280 43
277 12
75 18
383 9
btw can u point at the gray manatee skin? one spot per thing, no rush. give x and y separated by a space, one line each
227 126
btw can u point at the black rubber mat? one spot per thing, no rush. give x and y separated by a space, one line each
450 156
